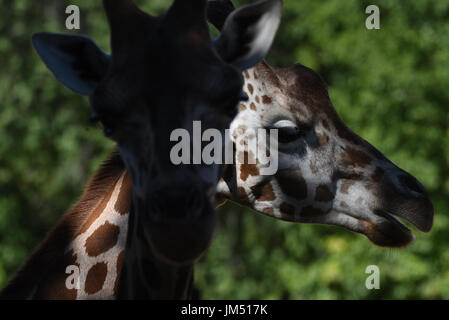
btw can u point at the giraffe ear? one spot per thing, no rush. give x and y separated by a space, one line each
249 32
75 60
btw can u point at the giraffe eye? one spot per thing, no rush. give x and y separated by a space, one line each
288 131
288 134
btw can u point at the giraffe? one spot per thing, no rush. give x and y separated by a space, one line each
330 169
327 173
131 94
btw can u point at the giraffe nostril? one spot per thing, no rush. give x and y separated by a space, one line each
411 184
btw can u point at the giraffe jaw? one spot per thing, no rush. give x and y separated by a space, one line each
388 231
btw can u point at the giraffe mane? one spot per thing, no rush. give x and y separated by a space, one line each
23 284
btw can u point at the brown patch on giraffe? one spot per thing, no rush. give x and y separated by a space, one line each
378 174
323 193
257 99
241 129
313 167
103 239
255 75
242 107
263 192
344 133
97 211
266 99
96 277
53 287
325 124
245 157
246 74
247 169
305 85
242 196
355 157
120 260
346 185
268 211
287 211
292 184
250 88
253 106
322 138
123 203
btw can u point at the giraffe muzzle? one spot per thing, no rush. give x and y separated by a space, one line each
389 231
180 223
182 241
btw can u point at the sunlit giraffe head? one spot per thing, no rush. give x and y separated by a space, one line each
327 173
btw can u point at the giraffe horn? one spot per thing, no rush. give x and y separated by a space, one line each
190 6
126 22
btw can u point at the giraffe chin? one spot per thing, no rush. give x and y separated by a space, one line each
196 236
389 232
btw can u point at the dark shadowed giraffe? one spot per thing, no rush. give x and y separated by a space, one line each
164 73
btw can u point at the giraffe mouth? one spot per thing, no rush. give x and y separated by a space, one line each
393 220
388 232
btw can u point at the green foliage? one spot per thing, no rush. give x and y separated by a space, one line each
388 85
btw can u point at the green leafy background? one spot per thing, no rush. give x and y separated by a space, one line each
389 85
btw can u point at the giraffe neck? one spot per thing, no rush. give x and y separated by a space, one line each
144 275
99 246
90 238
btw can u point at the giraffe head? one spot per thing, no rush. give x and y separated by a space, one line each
326 173
164 73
